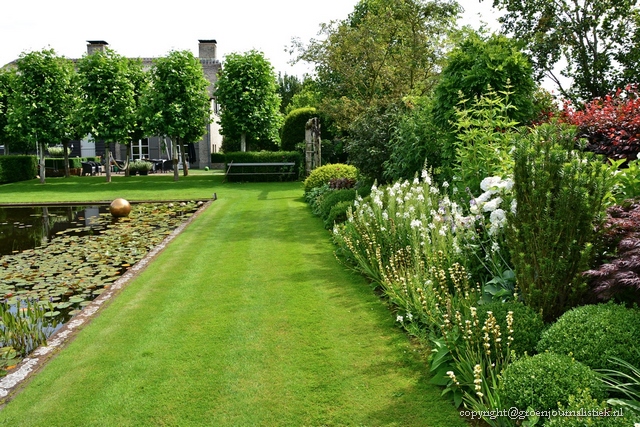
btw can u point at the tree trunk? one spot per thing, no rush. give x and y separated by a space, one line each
65 156
107 163
126 162
42 168
185 167
243 142
175 142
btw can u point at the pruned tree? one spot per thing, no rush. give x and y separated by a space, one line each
41 101
247 92
108 99
596 39
177 104
7 76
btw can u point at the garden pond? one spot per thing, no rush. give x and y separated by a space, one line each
55 260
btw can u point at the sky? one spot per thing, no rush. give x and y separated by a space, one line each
143 28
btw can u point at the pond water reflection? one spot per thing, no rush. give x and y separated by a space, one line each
23 228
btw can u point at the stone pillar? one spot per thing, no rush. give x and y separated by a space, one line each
313 146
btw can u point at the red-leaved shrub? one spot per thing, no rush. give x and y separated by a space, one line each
611 124
620 276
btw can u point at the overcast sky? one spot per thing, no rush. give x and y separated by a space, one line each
143 28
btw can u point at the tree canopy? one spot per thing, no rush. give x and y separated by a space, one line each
108 100
596 39
178 103
41 101
247 91
384 50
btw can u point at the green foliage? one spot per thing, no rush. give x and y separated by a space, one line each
41 101
479 62
337 214
592 334
368 142
384 50
415 140
58 164
218 158
484 139
264 157
17 168
627 181
109 104
527 324
544 381
560 194
333 197
140 166
595 41
178 103
247 92
22 327
293 129
623 382
323 174
597 413
288 87
7 77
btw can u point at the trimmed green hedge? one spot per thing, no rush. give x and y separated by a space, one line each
58 162
218 158
266 157
293 129
17 168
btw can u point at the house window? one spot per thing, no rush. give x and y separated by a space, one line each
140 149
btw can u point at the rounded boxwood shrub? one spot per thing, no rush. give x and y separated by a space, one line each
293 129
527 324
594 333
545 380
331 198
323 174
338 213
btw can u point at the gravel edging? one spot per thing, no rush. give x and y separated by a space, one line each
19 376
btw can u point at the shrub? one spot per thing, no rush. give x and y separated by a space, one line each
610 124
218 158
543 381
527 324
583 403
333 197
560 194
342 183
337 214
619 275
594 333
293 129
17 168
324 174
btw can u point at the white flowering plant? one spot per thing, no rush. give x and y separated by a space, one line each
489 211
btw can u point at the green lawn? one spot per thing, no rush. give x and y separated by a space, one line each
246 319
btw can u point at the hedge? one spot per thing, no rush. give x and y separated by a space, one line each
293 129
267 157
17 168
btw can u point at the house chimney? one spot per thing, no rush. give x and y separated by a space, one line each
96 46
207 49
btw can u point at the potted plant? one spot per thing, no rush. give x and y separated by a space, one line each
144 167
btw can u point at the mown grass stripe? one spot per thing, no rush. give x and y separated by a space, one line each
246 319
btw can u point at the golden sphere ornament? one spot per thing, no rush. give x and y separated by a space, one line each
120 208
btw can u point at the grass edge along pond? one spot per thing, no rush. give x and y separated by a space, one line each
245 319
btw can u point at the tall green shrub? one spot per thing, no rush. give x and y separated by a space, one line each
293 129
560 193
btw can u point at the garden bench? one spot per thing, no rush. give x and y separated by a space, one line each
251 169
